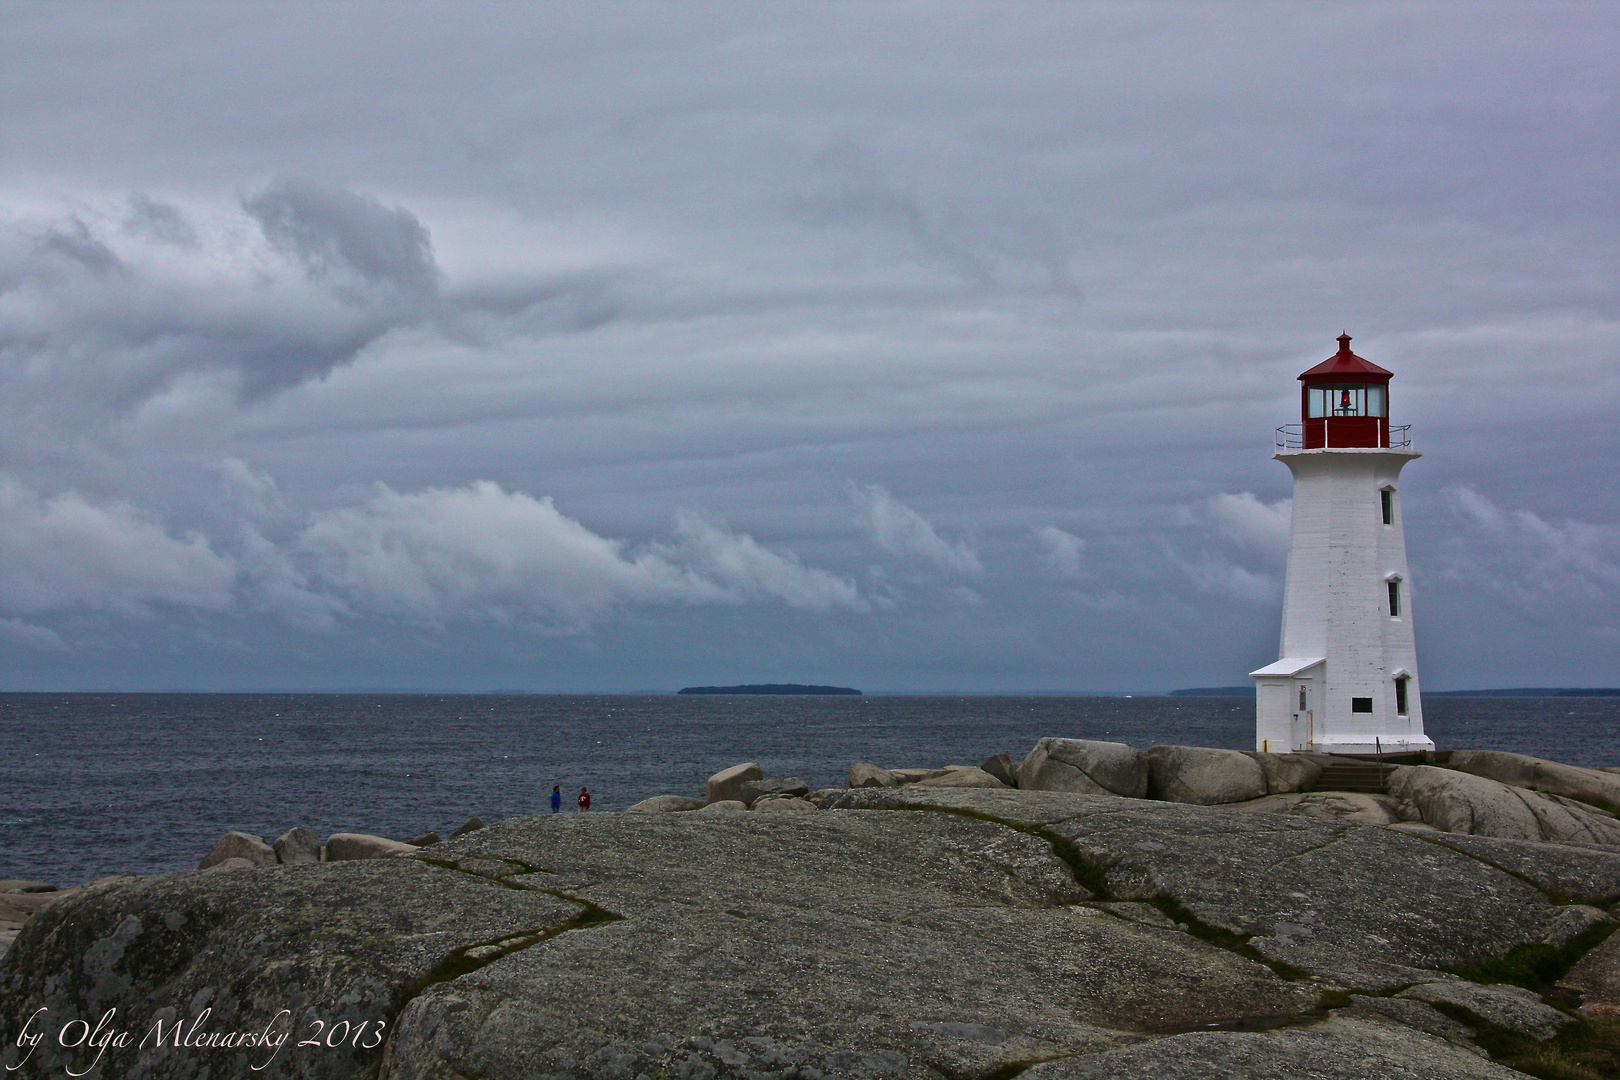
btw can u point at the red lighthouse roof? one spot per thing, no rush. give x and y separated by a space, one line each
1345 363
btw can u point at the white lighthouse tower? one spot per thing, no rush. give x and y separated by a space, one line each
1347 681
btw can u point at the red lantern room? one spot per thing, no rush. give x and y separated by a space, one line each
1344 402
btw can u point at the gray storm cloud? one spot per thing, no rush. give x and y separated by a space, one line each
582 319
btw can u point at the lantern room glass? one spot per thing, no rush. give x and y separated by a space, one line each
1345 399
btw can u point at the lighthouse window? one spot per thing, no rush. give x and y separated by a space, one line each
1400 697
1389 505
1361 704
1345 399
1394 599
1375 400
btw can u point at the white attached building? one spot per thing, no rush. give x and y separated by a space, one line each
1347 680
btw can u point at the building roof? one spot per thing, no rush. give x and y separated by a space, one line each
1348 364
1288 665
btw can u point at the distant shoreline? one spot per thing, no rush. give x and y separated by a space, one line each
771 688
1522 691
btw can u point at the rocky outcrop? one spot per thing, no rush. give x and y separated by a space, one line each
1000 766
907 933
726 784
1509 1007
1368 907
1354 806
1286 773
865 774
665 804
1597 786
1354 1044
1459 802
299 845
1085 767
752 790
963 777
1596 977
781 804
849 941
472 824
913 776
238 845
1202 775
344 846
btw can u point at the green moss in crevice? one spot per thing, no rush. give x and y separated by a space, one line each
469 958
1223 938
1588 1048
1536 966
1090 876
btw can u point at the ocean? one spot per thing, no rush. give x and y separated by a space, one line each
96 784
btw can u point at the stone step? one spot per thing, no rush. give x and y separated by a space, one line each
1367 777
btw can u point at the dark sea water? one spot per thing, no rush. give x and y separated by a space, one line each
94 784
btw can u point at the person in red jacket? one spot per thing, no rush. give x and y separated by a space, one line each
584 800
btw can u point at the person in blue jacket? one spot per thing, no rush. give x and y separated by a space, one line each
556 797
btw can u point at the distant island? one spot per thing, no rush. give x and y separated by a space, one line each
1215 691
769 688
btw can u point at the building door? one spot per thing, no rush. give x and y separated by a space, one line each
1303 728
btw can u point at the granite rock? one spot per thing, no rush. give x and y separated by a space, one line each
1461 802
239 845
864 958
782 804
1596 976
665 804
1202 775
299 845
912 776
1505 1006
865 774
1328 897
335 942
1551 777
1285 773
343 847
472 824
727 784
905 933
1573 922
1582 874
1336 805
754 789
1083 766
970 777
1346 1047
1001 766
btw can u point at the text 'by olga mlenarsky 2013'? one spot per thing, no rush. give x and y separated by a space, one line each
167 1032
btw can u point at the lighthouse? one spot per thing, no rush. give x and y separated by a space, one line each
1347 679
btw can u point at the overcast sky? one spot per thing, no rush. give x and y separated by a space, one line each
911 347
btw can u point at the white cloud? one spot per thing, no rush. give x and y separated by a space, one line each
1252 523
900 530
1061 551
1529 560
747 570
65 552
481 552
1216 576
30 636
